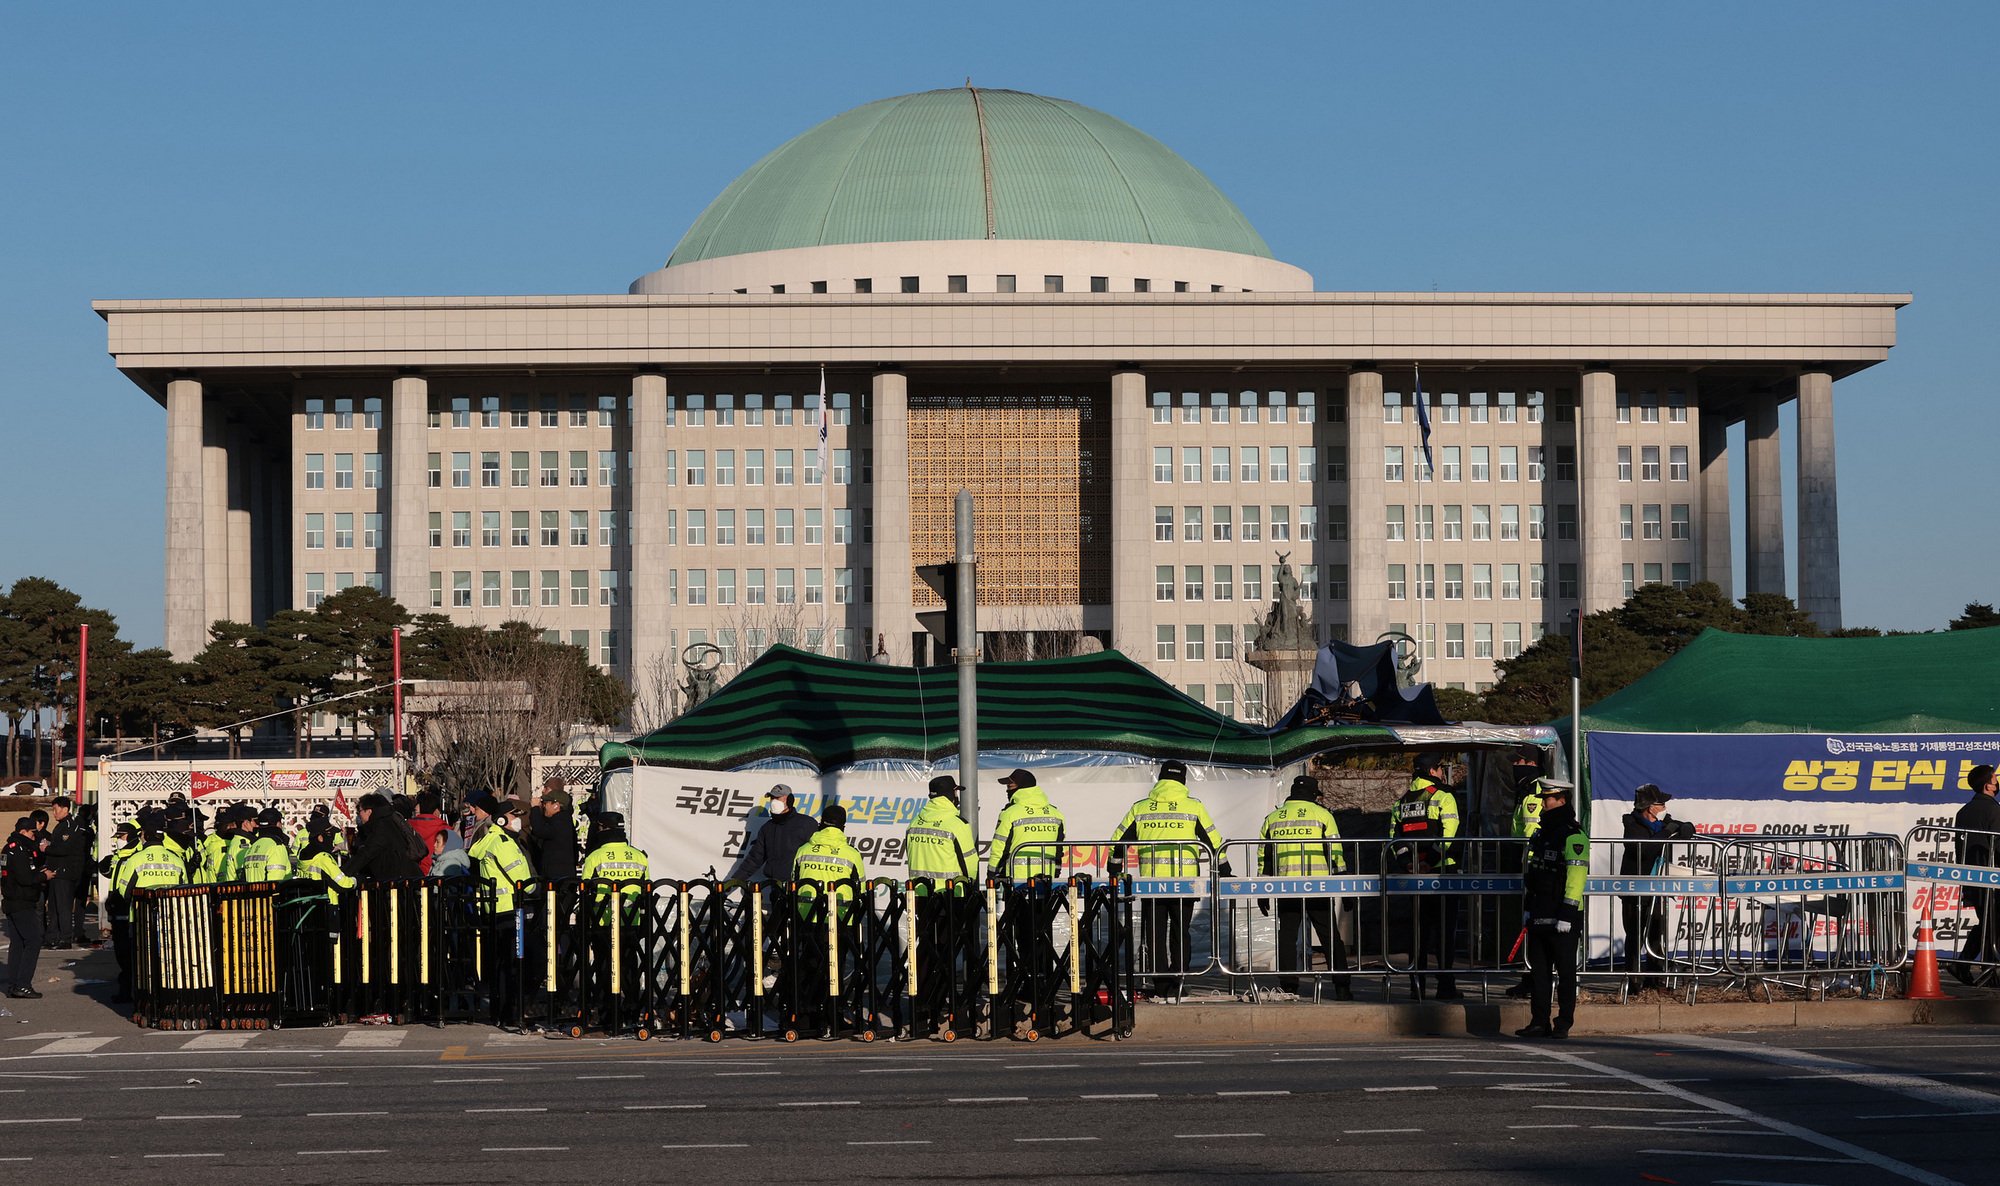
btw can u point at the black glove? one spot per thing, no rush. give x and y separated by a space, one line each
1224 869
1115 870
1264 907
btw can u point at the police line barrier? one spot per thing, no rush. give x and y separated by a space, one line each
1176 934
1956 868
1803 906
689 959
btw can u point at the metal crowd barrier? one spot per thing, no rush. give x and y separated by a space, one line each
1813 906
1957 869
689 959
1655 912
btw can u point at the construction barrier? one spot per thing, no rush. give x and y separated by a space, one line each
687 959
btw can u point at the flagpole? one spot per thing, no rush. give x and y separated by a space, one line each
1576 701
1423 506
828 590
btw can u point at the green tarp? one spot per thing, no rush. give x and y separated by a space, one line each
832 713
1735 683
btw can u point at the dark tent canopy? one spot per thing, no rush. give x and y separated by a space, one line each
1373 669
1736 683
833 712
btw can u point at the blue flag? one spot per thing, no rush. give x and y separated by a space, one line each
1423 420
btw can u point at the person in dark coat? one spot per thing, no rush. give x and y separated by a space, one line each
771 852
382 843
24 879
1645 919
551 835
1978 821
68 861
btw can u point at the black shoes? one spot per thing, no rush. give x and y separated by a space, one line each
1534 1030
25 994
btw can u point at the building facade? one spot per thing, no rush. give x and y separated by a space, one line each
981 289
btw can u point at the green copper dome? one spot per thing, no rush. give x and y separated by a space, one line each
969 164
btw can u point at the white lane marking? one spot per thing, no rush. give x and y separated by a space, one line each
583 1077
1622 1108
1545 1126
1226 1093
42 1120
663 1107
711 1146
1662 1128
47 1034
382 1039
1463 1058
163 1157
346 1113
170 1087
1040 1066
1178 1062
744 1074
1526 1074
1308 1060
1355 1132
896 1071
888 1142
525 1149
218 1041
819 1103
1751 1156
204 1116
1213 1136
1899 1168
16 1159
492 1080
323 1083
1557 1089
337 1152
989 1099
1124 1095
71 1046
480 1111
1426 1087
1048 1140
1925 1115
1819 1066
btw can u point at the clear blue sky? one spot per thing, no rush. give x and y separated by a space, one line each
223 150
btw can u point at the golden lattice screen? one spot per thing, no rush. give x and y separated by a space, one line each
1038 468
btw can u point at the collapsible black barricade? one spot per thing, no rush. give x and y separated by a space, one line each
173 941
942 956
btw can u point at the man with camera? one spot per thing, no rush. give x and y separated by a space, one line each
1648 828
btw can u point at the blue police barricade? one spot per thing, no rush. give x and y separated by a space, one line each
1952 873
1810 911
1654 913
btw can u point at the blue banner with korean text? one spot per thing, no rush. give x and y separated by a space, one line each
1922 768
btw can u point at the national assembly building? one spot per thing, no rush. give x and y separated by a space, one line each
760 440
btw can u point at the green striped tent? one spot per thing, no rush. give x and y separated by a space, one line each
832 713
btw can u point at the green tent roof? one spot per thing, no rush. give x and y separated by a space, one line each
968 163
832 713
1735 683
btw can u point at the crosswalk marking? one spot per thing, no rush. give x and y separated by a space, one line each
377 1039
219 1041
73 1045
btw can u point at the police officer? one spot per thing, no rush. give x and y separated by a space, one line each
1301 839
498 861
117 909
826 870
67 855
158 862
317 860
614 875
1028 845
267 857
214 847
939 847
1527 791
1424 822
1165 825
24 879
1552 899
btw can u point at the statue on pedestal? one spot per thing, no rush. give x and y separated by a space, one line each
1285 627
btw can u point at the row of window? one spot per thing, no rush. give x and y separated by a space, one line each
316 589
1193 642
1251 463
783 588
1276 407
723 409
372 535
1223 524
522 411
1218 582
837 641
1680 574
1225 700
786 526
521 591
1503 407
343 413
1007 282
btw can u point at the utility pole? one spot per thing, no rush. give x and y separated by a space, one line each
967 609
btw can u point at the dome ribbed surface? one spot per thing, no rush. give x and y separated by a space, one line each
969 164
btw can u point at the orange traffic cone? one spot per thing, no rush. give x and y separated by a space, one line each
1924 971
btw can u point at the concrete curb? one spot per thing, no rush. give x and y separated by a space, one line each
1277 1022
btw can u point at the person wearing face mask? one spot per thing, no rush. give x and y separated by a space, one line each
1557 865
773 849
941 850
1647 827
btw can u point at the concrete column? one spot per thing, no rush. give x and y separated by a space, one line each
1763 498
1597 491
238 571
894 607
651 556
214 513
409 493
1131 514
186 628
1717 539
1369 610
1819 514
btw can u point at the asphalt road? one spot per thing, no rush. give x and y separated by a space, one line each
471 1105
